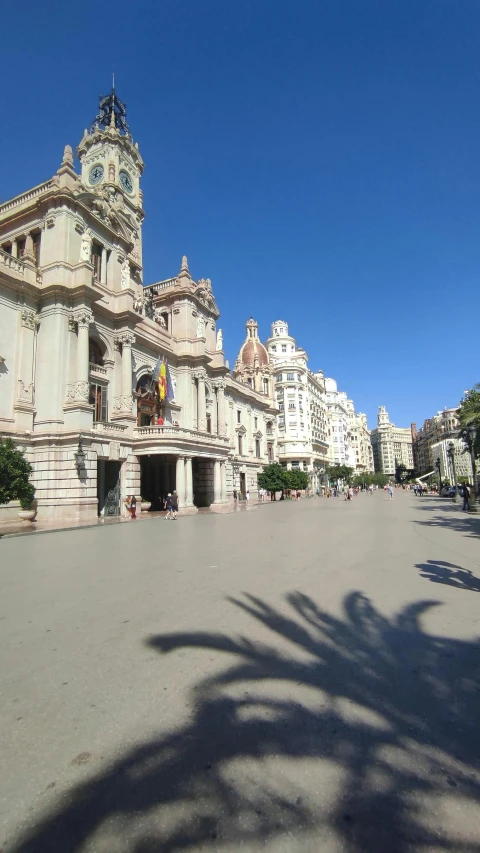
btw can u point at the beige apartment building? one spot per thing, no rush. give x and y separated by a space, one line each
431 441
81 339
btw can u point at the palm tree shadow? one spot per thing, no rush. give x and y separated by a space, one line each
440 571
393 710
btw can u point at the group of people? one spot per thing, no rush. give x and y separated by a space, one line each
170 504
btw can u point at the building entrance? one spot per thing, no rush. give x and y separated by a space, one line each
108 487
157 478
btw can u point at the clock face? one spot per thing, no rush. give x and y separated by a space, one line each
126 182
96 174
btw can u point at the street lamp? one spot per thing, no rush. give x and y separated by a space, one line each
472 434
438 466
451 454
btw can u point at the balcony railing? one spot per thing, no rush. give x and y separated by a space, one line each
11 263
161 285
97 369
168 431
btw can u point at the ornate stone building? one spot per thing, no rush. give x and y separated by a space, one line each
80 339
392 445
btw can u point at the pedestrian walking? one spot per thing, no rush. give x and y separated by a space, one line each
390 491
466 497
174 505
247 496
234 494
168 507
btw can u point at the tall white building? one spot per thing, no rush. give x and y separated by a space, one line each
302 420
392 445
338 422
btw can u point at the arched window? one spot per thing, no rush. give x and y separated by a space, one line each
95 352
148 410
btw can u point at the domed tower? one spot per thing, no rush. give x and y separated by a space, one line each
252 366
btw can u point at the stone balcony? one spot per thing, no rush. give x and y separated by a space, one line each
175 436
18 269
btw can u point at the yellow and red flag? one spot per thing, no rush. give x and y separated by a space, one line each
162 382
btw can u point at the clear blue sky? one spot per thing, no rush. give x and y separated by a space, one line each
319 161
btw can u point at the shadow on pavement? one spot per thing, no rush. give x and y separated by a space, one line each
439 571
392 709
452 517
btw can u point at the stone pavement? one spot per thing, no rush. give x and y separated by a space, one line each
299 678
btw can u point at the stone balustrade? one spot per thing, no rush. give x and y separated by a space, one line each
97 369
11 263
161 285
178 432
25 197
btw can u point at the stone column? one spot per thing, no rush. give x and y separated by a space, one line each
201 408
23 405
14 249
83 319
103 266
180 480
223 481
188 481
221 409
217 483
124 404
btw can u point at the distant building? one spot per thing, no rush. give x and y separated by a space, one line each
302 419
392 446
431 441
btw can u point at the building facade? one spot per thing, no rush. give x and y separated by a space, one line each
302 441
81 338
431 441
392 446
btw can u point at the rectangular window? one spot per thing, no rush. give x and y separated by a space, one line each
284 347
239 445
21 244
96 260
98 399
279 377
295 465
239 416
290 377
257 448
36 247
255 421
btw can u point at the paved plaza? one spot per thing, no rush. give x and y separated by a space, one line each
300 677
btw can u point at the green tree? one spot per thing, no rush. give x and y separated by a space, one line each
339 472
273 478
468 414
15 471
296 479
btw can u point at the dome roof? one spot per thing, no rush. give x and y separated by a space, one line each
253 351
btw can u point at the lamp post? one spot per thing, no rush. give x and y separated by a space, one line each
472 434
438 466
451 454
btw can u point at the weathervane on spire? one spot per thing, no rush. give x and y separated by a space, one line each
112 112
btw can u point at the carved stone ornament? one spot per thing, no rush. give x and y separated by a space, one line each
86 247
83 317
219 344
123 403
78 392
124 339
125 277
200 327
157 316
29 319
114 451
24 392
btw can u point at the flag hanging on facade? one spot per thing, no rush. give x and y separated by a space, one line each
162 382
156 372
170 391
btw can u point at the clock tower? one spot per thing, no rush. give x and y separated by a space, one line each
111 167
